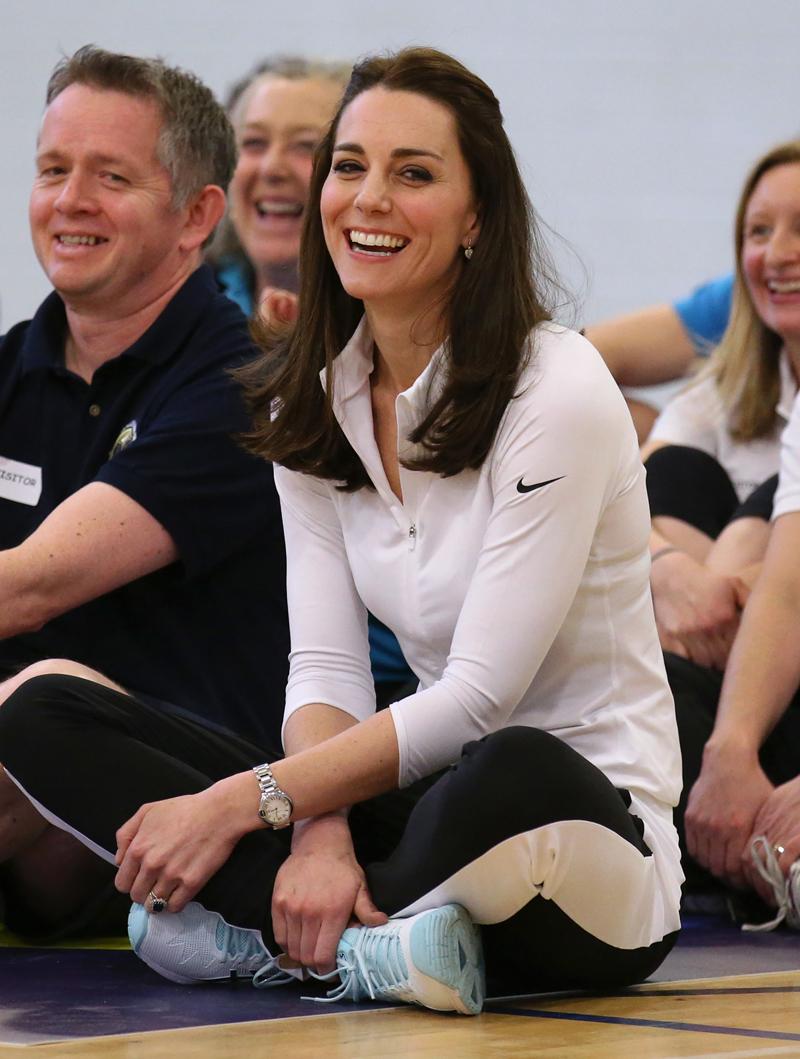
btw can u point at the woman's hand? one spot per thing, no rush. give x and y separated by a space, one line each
318 892
723 805
779 821
173 847
277 308
697 610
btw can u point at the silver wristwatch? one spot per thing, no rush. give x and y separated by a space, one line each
275 807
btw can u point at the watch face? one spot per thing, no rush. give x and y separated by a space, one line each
277 810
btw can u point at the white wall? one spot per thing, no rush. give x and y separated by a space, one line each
634 120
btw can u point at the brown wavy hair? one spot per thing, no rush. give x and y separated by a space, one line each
493 304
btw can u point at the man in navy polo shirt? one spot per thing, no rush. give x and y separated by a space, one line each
137 538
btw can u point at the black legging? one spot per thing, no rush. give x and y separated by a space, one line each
90 757
690 485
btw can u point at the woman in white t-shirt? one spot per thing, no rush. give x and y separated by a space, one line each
455 463
712 457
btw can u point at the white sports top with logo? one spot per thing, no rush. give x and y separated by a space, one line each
519 592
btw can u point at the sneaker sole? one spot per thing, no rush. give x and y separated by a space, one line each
445 946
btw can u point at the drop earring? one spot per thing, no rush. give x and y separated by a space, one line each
468 251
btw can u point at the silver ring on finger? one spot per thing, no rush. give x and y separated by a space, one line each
157 904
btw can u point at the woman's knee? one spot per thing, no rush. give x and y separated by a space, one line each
690 485
28 706
41 715
521 761
516 748
530 775
51 667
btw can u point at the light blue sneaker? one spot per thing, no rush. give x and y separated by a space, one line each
196 945
785 888
434 959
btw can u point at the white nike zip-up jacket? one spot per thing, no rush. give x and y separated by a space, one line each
519 592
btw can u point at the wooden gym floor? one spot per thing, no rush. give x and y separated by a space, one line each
720 993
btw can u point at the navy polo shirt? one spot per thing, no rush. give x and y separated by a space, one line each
209 632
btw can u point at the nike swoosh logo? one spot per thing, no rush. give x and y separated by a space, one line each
536 485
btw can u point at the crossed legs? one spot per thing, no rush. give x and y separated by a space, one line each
530 837
46 875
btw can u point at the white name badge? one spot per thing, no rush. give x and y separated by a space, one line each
20 482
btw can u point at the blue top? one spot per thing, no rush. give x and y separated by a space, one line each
386 658
236 280
704 313
210 631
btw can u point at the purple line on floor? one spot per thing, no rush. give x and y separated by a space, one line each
662 1024
56 994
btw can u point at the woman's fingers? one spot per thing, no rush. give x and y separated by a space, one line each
280 928
126 833
365 910
278 307
294 939
327 942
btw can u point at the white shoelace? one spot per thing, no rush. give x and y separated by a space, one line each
374 963
785 889
272 974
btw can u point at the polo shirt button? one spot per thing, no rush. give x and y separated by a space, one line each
94 410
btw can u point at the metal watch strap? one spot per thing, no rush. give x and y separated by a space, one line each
270 789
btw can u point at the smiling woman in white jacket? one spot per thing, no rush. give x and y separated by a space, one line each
466 470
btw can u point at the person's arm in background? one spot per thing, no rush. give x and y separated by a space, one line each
660 343
732 799
93 542
762 675
645 347
697 609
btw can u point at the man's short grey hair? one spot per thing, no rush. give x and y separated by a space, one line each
196 145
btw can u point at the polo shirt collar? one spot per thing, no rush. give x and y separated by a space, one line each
353 367
352 402
43 346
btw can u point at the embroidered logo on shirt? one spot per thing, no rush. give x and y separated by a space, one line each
126 436
536 485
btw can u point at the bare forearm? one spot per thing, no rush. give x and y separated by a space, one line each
23 607
350 765
357 763
750 574
306 728
644 347
95 541
764 668
659 543
314 724
762 674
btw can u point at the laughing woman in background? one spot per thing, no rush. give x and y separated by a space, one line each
279 112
